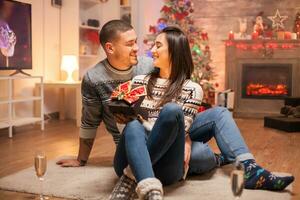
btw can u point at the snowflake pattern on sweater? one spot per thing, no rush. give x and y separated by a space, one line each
189 99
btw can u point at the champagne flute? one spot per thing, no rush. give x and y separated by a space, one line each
40 164
237 180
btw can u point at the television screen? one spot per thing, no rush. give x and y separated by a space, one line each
15 35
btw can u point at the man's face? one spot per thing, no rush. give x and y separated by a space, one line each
125 48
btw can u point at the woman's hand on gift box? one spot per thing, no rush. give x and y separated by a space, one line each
123 119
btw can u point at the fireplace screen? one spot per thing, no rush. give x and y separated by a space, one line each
266 81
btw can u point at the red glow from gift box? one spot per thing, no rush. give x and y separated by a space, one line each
258 89
201 109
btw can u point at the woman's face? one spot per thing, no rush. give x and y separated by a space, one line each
160 52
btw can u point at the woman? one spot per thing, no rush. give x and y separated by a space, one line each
172 101
163 146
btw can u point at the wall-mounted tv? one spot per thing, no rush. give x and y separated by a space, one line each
15 35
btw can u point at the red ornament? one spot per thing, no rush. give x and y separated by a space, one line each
207 67
180 16
152 29
166 9
204 35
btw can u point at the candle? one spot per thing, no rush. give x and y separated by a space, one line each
231 36
280 35
294 36
254 35
287 35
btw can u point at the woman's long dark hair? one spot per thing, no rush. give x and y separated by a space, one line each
181 61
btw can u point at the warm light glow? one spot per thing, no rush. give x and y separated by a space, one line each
258 89
69 64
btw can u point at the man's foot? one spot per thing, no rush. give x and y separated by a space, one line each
258 178
124 189
221 161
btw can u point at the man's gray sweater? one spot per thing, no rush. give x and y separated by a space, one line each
96 88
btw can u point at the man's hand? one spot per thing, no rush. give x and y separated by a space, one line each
187 151
68 163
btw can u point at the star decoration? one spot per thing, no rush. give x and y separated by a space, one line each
277 20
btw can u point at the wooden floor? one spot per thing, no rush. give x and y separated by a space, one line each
275 150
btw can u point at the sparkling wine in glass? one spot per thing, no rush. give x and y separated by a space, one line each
40 164
237 180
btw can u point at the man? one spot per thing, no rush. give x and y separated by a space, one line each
119 42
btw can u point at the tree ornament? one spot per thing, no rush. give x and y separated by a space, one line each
204 35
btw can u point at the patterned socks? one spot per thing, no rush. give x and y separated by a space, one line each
257 177
124 189
221 160
153 195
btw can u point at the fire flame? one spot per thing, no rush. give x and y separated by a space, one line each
257 89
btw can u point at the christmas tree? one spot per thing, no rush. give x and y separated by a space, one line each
179 12
297 23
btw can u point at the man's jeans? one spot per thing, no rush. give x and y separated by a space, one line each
217 122
160 152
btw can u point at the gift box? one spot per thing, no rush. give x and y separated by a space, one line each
126 99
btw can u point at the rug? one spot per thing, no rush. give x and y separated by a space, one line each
95 182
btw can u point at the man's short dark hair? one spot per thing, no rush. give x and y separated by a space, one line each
111 29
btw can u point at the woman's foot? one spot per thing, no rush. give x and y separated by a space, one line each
153 195
150 189
257 177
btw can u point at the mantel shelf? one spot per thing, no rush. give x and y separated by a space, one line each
264 41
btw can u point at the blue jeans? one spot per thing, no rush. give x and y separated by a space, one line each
167 160
159 153
217 122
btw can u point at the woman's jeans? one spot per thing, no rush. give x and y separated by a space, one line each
164 146
160 152
216 122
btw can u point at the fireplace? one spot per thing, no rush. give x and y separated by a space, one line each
261 82
266 81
